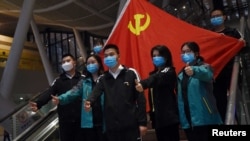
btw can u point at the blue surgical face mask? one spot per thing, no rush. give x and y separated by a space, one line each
187 57
97 49
216 21
158 61
110 61
92 68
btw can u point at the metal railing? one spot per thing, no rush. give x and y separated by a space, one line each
20 120
238 108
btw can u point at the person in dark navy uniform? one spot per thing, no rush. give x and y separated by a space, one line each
124 107
162 82
222 81
69 115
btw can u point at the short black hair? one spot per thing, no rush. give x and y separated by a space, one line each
222 11
98 41
68 54
113 46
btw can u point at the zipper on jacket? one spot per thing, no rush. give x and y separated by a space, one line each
209 109
152 99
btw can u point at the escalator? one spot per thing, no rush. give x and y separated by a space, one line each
45 129
243 99
25 125
238 109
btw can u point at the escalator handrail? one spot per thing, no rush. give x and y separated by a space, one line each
13 112
29 131
21 106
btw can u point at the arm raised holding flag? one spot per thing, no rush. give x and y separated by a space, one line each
222 81
142 26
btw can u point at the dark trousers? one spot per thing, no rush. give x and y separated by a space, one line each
197 133
221 87
99 135
168 133
122 135
70 131
92 134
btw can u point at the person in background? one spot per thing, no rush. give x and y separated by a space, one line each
162 83
196 102
6 136
91 122
222 81
125 116
69 115
98 46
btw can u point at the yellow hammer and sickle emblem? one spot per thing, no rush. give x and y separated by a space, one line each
138 27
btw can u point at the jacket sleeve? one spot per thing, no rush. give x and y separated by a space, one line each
166 77
148 82
235 33
142 114
141 104
97 92
72 94
203 72
45 97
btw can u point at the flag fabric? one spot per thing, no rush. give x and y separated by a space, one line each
141 26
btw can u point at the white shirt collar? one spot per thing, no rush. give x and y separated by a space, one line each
117 72
69 76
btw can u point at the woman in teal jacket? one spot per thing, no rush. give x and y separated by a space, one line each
197 106
91 122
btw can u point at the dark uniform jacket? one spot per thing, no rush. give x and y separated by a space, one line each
163 99
66 113
124 107
226 72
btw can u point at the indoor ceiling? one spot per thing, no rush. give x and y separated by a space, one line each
94 16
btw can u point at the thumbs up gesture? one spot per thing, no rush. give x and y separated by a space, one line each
55 100
33 106
87 105
188 69
138 86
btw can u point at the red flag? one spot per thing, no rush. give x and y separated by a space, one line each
142 25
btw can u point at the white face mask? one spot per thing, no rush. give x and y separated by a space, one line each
67 66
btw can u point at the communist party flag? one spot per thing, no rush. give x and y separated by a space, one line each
141 26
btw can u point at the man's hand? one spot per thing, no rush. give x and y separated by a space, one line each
33 106
138 86
143 130
87 105
242 40
55 100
